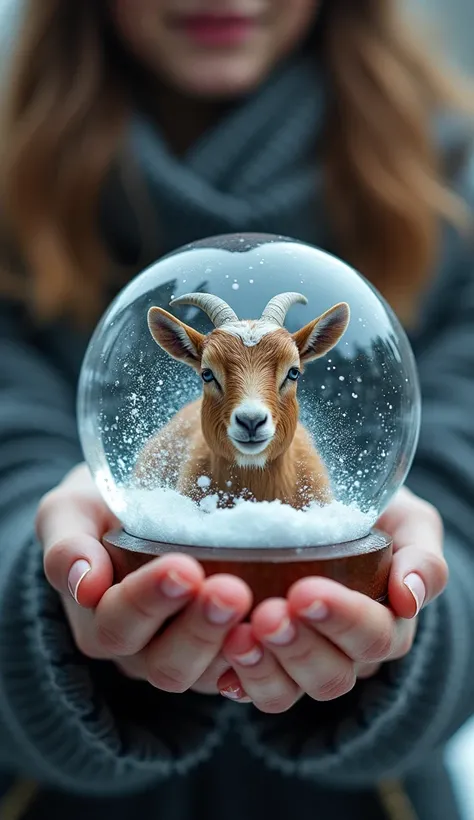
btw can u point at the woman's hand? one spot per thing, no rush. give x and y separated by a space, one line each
120 622
324 636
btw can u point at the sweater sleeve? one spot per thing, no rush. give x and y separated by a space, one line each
387 724
64 720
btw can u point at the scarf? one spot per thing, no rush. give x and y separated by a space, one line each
255 171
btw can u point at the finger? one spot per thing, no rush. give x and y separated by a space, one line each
177 658
259 674
404 636
70 510
75 562
360 627
419 572
316 665
412 520
231 687
405 633
366 670
133 667
130 613
207 683
417 576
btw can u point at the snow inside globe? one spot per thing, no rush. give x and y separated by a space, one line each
249 391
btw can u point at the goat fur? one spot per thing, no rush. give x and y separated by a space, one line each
296 477
196 443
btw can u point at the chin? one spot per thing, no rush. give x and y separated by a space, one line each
251 462
252 456
219 81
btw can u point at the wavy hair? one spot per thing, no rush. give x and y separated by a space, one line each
67 109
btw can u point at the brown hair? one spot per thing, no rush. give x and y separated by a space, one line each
66 113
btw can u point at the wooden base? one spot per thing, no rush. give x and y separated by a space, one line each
363 565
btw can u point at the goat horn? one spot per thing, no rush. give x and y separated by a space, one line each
218 311
277 308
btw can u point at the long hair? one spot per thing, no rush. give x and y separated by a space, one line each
66 113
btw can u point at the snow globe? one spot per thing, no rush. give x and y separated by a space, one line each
251 400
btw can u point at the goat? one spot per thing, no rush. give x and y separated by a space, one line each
243 437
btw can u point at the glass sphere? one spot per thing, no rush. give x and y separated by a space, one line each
234 418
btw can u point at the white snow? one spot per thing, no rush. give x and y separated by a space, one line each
165 515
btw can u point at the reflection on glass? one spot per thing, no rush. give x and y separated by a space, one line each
249 390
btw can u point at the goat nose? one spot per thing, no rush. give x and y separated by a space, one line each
251 421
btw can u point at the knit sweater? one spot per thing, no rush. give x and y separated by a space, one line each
77 725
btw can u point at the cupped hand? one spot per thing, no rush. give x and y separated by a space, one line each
323 636
131 622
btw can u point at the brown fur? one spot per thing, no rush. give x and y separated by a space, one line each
195 442
296 477
237 368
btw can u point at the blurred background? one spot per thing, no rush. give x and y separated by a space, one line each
451 23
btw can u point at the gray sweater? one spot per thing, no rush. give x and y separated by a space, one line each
77 726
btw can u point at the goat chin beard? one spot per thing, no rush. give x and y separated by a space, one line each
245 457
256 462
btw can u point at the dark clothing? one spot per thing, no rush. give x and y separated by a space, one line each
77 726
213 791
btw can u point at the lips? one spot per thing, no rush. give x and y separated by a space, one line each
216 30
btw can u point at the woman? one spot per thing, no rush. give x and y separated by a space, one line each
132 127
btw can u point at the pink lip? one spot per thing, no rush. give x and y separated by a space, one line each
216 31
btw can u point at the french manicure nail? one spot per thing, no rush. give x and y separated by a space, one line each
417 589
174 586
232 692
317 611
217 612
235 693
77 573
283 635
250 658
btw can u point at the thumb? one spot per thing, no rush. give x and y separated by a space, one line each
70 525
419 572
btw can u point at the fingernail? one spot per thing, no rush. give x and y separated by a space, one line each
174 586
417 589
250 658
283 635
317 611
235 693
217 612
77 573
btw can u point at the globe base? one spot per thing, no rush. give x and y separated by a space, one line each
362 564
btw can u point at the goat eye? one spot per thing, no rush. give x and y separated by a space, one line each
207 376
293 374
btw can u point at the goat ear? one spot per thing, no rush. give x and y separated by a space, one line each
322 334
180 341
